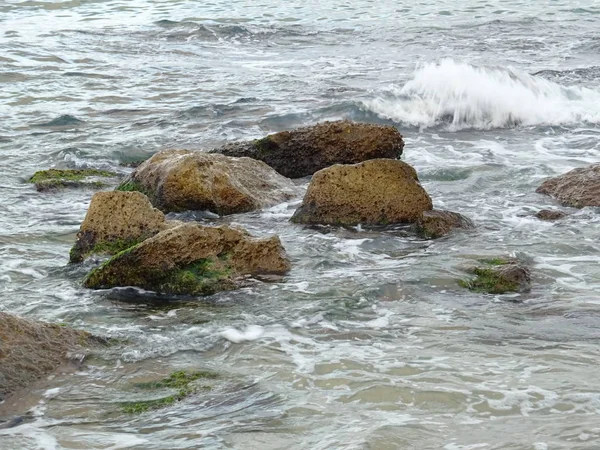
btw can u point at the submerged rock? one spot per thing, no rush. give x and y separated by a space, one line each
179 180
374 192
304 151
547 214
577 188
51 179
191 259
30 350
437 223
499 276
114 222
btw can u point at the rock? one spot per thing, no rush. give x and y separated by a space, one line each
30 350
114 222
191 259
378 191
499 276
304 151
547 214
180 180
577 188
51 179
437 223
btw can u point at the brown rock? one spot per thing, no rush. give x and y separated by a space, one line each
378 191
29 350
547 214
191 259
577 188
304 151
179 180
437 223
116 221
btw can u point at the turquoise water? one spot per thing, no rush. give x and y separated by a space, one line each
369 343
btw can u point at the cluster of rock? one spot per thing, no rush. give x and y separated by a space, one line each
356 179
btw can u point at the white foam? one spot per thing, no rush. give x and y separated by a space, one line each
251 333
465 96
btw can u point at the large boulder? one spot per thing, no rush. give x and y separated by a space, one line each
374 192
577 188
191 259
114 222
179 180
30 350
438 223
304 151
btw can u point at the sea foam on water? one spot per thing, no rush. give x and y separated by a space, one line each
464 96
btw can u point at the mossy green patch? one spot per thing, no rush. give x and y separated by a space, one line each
61 178
203 277
496 261
181 381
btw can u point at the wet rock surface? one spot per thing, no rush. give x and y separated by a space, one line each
304 151
180 180
30 350
577 188
374 192
191 259
499 276
550 215
438 223
114 222
54 179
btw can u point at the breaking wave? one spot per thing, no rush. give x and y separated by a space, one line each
462 96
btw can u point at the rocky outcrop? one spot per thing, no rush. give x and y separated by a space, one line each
179 180
550 215
304 151
191 259
53 179
374 192
499 276
577 188
114 222
438 223
30 350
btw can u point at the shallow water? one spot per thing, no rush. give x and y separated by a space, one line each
369 343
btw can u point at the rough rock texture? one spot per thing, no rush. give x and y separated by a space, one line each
53 179
500 276
577 188
437 223
179 180
547 214
116 221
378 191
30 350
191 259
304 151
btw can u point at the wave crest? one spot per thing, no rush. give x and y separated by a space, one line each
462 96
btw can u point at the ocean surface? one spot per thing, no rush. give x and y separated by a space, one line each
369 343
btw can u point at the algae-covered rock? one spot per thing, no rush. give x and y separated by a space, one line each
114 222
499 276
304 151
51 179
577 188
179 180
374 192
550 215
30 349
191 259
437 223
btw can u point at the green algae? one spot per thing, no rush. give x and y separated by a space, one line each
489 281
181 381
202 277
62 178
